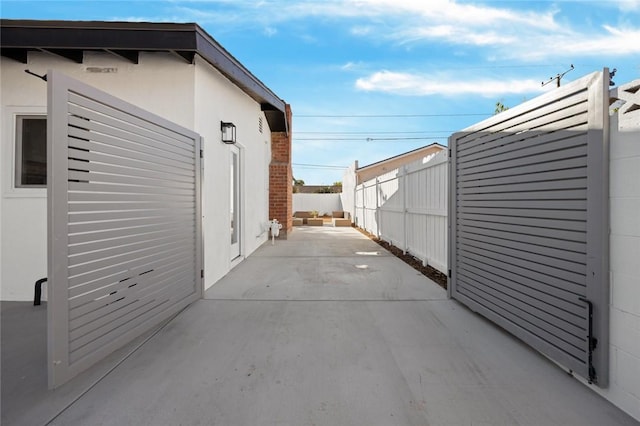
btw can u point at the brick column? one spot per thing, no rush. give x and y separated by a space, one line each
281 178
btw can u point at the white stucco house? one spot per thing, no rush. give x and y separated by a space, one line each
175 71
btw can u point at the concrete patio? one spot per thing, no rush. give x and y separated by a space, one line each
325 328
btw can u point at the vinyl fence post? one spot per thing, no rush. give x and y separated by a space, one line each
403 182
377 211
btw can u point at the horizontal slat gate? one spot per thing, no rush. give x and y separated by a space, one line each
124 223
528 222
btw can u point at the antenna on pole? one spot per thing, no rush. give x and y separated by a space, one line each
612 74
557 78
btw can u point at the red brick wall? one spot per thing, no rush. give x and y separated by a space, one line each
281 178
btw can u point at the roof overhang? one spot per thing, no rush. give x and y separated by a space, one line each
70 39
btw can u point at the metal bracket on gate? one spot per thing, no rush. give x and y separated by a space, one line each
593 342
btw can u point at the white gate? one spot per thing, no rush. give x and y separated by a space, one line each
529 223
124 223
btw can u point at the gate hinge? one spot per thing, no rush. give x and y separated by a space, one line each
449 273
201 153
201 273
449 152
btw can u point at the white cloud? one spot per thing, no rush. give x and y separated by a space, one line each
362 30
437 10
409 84
353 66
629 5
457 35
501 31
612 42
270 31
348 66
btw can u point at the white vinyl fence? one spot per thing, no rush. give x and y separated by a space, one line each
407 207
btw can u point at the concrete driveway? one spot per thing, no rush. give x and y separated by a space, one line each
327 328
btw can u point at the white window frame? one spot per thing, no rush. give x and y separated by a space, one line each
19 120
10 189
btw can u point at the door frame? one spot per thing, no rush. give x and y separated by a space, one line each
239 216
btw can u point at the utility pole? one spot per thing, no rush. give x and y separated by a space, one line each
557 78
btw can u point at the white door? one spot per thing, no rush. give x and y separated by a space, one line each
234 168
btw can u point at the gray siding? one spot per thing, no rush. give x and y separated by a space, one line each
529 221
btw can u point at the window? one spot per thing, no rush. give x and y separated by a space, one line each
31 151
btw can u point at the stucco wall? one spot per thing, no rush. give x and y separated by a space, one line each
167 86
216 100
322 203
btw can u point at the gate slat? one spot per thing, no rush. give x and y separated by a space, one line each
555 322
551 241
524 221
523 273
555 297
521 319
528 245
554 165
570 152
92 216
534 145
104 160
85 121
116 149
553 176
548 265
102 178
84 286
129 172
158 128
91 300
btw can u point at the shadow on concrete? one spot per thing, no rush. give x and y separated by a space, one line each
25 397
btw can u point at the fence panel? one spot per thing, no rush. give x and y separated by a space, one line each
426 210
370 210
391 208
358 206
407 207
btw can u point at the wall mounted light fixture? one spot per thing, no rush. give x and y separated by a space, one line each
228 132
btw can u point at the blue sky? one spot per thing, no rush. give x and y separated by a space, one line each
370 79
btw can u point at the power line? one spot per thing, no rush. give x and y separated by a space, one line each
391 115
376 132
370 139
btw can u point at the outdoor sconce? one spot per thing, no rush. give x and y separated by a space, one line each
228 132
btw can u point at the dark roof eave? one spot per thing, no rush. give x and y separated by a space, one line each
183 39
